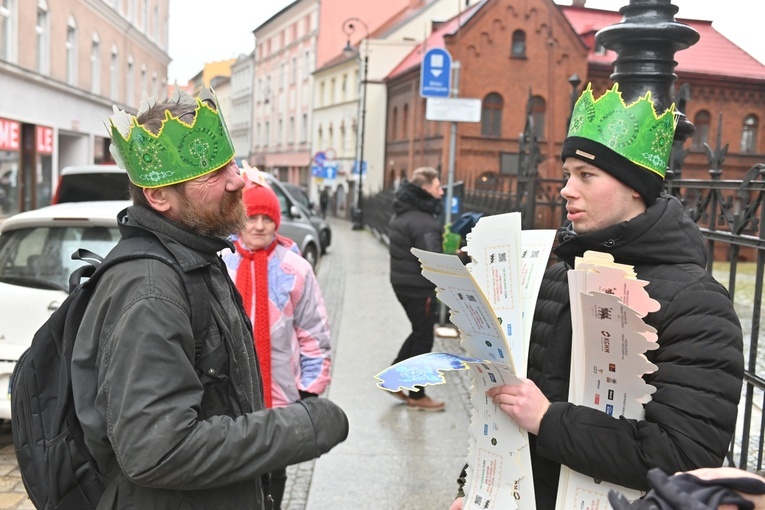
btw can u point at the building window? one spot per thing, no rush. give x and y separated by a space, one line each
701 135
491 116
405 124
394 123
344 88
257 135
538 110
95 65
155 23
749 134
307 65
291 131
282 75
8 30
267 134
293 74
154 84
71 52
304 129
114 74
144 81
130 82
518 48
144 15
330 136
42 32
321 94
280 132
320 137
332 91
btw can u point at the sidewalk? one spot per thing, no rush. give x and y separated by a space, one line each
394 458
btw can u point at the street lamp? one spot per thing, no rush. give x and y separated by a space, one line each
349 28
575 81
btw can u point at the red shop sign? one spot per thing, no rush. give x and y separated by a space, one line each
44 137
10 135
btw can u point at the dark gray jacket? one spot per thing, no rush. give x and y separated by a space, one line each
691 417
169 437
415 224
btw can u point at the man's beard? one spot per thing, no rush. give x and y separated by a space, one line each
229 218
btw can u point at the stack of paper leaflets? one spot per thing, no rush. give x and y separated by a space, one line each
608 360
492 304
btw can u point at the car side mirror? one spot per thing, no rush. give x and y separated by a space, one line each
295 211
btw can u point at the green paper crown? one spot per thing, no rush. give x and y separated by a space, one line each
635 132
178 152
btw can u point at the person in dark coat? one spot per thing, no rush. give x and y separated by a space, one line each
416 224
615 205
172 421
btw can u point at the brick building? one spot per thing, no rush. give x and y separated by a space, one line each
514 53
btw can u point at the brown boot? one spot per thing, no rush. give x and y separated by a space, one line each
425 404
400 395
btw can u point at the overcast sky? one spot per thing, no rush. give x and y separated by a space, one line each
229 25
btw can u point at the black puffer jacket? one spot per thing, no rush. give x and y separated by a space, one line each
691 417
415 224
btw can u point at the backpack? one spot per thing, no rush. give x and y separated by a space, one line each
56 467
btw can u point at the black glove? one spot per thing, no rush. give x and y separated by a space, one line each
686 492
329 422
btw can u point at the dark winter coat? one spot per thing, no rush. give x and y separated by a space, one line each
691 417
170 437
415 224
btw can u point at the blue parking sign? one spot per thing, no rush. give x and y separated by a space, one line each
436 73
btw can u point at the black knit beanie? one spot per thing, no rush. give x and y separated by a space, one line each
649 184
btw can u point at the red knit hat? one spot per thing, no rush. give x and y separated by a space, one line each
262 200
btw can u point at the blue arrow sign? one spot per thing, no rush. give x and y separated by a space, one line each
436 73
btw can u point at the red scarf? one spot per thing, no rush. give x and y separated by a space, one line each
261 322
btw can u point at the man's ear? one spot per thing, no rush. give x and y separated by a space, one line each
158 198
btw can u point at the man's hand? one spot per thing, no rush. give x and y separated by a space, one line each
730 472
524 403
457 505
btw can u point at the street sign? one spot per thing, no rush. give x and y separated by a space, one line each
319 158
436 73
356 167
453 109
327 170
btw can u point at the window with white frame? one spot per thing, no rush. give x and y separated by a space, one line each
95 64
114 74
144 15
293 74
130 82
749 134
8 22
267 134
71 51
144 80
155 24
291 132
257 135
304 129
282 75
280 132
307 65
42 34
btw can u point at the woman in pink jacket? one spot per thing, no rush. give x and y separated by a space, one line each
284 302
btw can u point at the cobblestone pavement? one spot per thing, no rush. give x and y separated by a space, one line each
396 458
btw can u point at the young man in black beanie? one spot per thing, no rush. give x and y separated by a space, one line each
614 161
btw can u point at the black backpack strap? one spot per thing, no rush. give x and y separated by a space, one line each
194 282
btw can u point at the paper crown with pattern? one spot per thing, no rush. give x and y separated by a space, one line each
179 151
635 132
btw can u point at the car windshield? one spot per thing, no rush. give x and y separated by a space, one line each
93 187
41 257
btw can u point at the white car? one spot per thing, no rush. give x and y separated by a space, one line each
35 264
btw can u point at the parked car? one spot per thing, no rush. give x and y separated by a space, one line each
307 206
84 183
35 264
110 182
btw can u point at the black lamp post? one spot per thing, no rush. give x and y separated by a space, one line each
349 27
575 81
